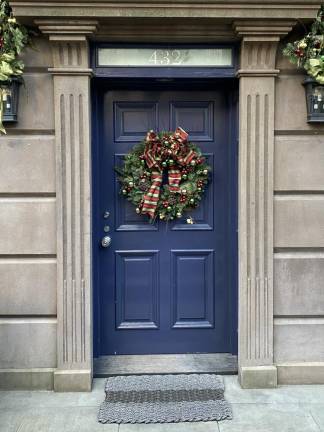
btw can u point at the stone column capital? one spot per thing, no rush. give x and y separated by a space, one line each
70 47
263 30
259 45
67 30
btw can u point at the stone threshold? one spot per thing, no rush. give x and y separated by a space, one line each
165 364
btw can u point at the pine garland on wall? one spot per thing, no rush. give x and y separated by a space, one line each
13 39
309 51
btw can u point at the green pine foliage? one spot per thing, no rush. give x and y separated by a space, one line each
309 51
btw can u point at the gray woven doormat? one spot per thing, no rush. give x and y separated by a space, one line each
164 399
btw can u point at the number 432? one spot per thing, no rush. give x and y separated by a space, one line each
166 57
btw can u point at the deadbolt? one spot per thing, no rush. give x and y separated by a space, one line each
106 241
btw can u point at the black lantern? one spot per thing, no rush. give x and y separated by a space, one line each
314 100
10 99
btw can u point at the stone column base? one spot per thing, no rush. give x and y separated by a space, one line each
72 380
258 377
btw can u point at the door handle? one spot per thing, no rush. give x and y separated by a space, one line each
106 241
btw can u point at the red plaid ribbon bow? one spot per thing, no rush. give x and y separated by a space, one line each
153 155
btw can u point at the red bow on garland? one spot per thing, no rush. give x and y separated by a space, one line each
171 147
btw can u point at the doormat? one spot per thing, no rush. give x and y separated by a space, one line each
164 399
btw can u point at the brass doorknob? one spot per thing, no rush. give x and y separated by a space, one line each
106 241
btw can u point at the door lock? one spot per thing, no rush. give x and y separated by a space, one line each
106 241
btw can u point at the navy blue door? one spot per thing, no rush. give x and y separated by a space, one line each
166 288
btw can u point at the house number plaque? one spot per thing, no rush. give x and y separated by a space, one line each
165 57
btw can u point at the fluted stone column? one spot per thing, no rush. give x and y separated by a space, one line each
71 75
256 136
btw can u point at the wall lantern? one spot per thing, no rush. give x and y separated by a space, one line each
10 100
314 100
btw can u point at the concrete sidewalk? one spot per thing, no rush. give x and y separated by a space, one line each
285 409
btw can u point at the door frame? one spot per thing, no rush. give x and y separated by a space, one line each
232 227
72 107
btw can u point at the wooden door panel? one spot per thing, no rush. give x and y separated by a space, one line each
137 290
134 119
192 288
195 117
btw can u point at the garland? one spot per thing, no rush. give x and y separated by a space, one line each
309 51
13 38
169 156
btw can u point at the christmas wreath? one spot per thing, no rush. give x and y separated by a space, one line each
13 38
166 157
309 51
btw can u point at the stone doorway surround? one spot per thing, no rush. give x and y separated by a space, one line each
72 74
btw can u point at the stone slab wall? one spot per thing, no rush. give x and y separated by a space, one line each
28 232
28 282
298 233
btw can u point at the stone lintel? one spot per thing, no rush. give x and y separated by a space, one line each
258 377
72 380
222 10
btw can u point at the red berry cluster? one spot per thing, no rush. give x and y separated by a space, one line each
299 52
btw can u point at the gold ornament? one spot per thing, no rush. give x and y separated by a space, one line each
302 44
190 221
179 215
138 211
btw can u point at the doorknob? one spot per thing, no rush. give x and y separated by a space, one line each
106 241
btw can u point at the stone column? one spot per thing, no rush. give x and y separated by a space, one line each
71 75
256 145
